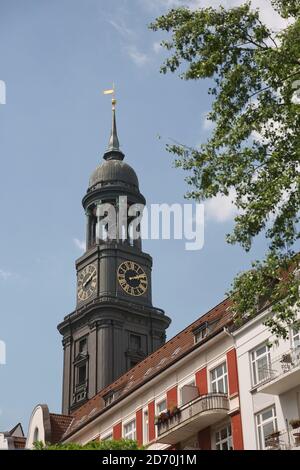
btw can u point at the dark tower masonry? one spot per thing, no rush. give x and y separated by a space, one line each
114 325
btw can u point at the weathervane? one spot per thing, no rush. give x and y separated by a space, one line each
111 91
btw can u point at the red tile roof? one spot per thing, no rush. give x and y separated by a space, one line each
171 352
59 424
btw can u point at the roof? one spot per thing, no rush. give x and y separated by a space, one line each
172 351
17 431
19 442
113 172
59 424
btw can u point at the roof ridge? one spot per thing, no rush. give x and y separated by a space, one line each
60 414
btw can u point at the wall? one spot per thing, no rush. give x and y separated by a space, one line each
252 402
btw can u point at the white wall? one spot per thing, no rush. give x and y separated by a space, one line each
3 442
248 338
36 423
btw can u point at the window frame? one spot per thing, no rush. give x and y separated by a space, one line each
295 333
253 363
126 435
261 438
227 439
145 426
81 365
157 404
217 379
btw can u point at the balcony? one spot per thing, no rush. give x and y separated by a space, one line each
283 373
284 440
200 413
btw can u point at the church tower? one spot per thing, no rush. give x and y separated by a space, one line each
114 325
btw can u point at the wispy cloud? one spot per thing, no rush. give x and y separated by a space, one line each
79 244
121 27
221 208
138 57
4 275
129 43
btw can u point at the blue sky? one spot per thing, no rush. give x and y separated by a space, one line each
56 57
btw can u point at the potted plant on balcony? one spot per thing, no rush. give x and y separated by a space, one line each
173 411
162 418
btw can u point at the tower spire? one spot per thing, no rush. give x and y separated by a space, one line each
113 151
113 141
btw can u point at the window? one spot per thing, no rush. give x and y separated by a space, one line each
81 374
224 439
135 342
145 427
111 396
200 335
36 435
218 379
266 424
161 406
107 437
82 346
130 430
296 338
261 364
201 332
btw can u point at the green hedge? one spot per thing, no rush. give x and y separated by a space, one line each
110 444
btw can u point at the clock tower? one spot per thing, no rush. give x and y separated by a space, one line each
114 325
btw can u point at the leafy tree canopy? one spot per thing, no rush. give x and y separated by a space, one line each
109 444
253 150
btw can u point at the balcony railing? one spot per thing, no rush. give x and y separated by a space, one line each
284 440
280 367
194 416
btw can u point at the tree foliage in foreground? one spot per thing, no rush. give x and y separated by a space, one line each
109 444
253 150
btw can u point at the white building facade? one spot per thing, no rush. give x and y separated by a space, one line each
269 377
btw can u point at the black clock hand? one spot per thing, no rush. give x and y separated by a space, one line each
88 280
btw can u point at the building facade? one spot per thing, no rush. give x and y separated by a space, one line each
269 372
211 387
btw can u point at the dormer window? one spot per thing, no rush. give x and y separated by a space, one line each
111 397
201 332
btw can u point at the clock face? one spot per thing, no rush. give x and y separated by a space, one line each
87 282
132 278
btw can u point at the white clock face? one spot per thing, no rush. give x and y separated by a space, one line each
87 282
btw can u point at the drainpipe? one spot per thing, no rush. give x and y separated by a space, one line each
225 329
